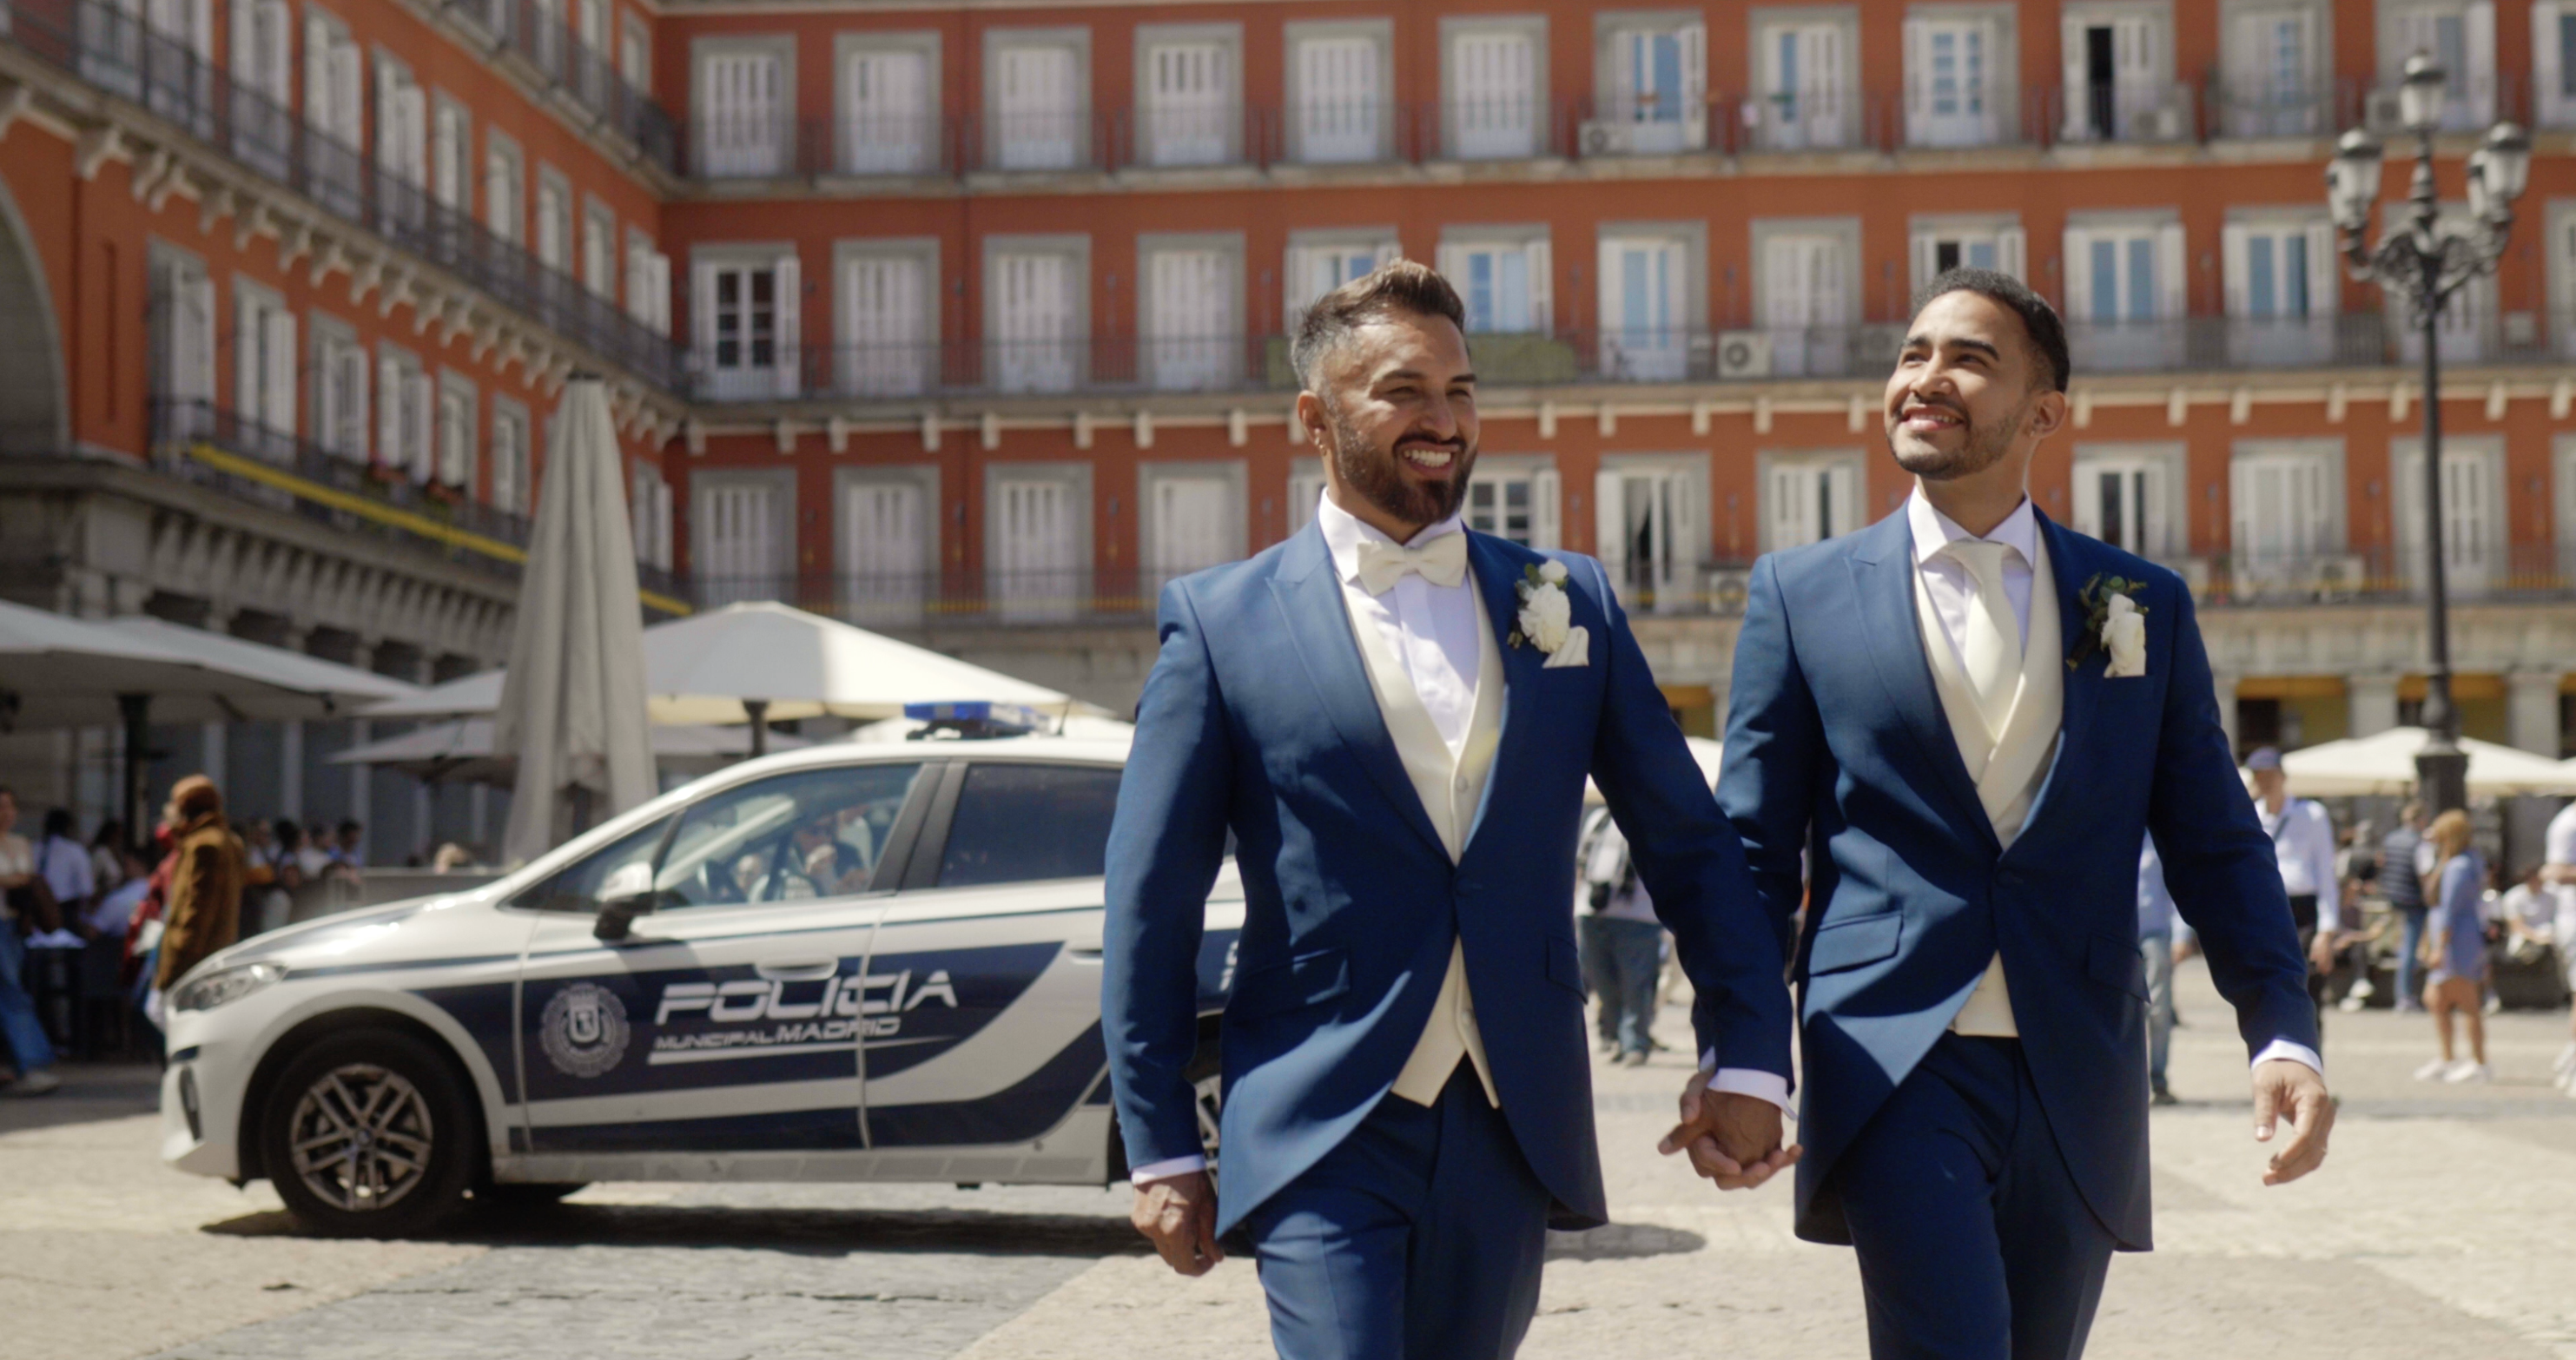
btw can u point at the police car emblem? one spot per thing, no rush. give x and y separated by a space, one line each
584 1030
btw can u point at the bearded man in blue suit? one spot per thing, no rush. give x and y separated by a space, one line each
1947 734
1394 716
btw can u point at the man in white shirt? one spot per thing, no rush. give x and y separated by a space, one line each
2303 845
2558 871
64 862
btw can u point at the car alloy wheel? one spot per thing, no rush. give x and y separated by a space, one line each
361 1138
1210 1093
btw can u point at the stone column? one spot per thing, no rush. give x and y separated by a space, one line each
2531 711
2371 703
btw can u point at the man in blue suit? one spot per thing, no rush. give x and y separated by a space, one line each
1955 726
1394 716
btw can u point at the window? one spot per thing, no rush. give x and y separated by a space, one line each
449 182
509 459
1514 497
1315 268
455 436
1939 247
341 394
886 305
1338 92
2553 62
1809 499
1494 108
811 834
649 505
2283 516
1806 299
1029 823
742 113
1036 546
2119 76
1306 491
1034 332
1657 78
1193 517
1806 86
402 147
590 67
1040 120
740 546
747 313
333 85
635 52
2272 62
648 283
183 344
554 221
406 416
263 95
576 886
1953 77
887 110
504 189
1189 320
1186 94
2473 515
2281 288
599 251
265 363
2123 279
545 20
1506 284
1645 308
887 554
2124 499
1647 514
2461 38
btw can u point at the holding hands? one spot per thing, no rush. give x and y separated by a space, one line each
1732 1138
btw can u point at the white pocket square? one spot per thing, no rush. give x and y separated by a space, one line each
1576 650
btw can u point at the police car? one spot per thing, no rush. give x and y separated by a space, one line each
848 963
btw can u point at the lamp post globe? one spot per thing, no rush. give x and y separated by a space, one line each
2420 94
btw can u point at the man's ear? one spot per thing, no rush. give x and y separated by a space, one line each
2047 415
1310 415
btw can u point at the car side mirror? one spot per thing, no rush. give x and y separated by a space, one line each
627 894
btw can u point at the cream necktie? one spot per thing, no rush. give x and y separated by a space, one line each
1991 651
1442 562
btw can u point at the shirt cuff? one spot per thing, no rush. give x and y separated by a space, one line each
2298 1053
1165 1170
1747 1081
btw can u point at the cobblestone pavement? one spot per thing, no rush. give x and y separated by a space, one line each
2446 1218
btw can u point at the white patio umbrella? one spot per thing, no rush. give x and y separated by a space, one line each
714 667
572 706
307 686
461 751
2385 765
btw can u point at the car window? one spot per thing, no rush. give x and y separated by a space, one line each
814 833
575 887
1023 823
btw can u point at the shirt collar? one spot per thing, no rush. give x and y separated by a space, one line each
1934 531
1344 532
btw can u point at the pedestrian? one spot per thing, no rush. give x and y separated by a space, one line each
349 855
276 901
2455 950
2303 847
2156 950
29 1049
205 889
2401 881
63 862
108 854
2558 870
1627 941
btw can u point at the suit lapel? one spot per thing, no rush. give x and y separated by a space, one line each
1882 572
1319 628
2071 563
1498 568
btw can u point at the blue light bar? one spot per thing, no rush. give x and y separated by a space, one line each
982 717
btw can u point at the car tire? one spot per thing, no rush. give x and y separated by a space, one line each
370 1133
514 1197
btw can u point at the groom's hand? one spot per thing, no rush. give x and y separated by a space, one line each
2283 1088
1178 1215
1733 1139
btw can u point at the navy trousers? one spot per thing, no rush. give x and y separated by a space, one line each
1420 1236
1974 1242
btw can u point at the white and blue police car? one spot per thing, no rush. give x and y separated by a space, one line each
850 962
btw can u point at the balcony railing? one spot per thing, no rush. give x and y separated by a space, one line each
541 34
1259 363
105 46
208 446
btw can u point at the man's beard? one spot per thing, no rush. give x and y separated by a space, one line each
1984 447
1374 475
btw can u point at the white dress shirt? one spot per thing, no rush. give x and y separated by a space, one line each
2303 845
1430 628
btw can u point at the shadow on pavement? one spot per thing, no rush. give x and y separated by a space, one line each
1622 1242
90 1093
812 1232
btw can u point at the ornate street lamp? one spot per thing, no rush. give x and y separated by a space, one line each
2426 263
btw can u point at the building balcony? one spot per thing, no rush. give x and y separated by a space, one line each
209 447
582 75
763 373
106 48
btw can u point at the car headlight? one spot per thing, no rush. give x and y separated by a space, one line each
223 985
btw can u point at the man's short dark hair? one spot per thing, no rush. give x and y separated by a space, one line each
1395 288
2039 320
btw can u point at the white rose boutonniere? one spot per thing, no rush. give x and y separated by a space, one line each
1547 618
2115 623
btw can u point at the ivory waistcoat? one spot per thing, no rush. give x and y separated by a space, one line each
1451 784
2007 766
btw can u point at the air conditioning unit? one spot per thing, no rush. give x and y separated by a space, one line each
2340 578
1609 138
2164 123
1727 587
1743 354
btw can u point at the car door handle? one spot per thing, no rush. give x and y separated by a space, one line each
1085 953
797 970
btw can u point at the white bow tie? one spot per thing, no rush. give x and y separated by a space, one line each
1442 562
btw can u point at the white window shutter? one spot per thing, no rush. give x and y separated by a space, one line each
2549 105
1388 252
2241 477
1547 509
702 306
1694 44
2233 259
791 325
1451 261
1542 286
421 410
1605 309
2325 272
317 72
1918 79
2070 48
2012 252
1847 513
2173 279
2152 501
1609 524
388 411
1927 260
2478 19
2078 272
278 329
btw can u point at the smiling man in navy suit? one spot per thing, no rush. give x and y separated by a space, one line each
1394 715
1955 726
